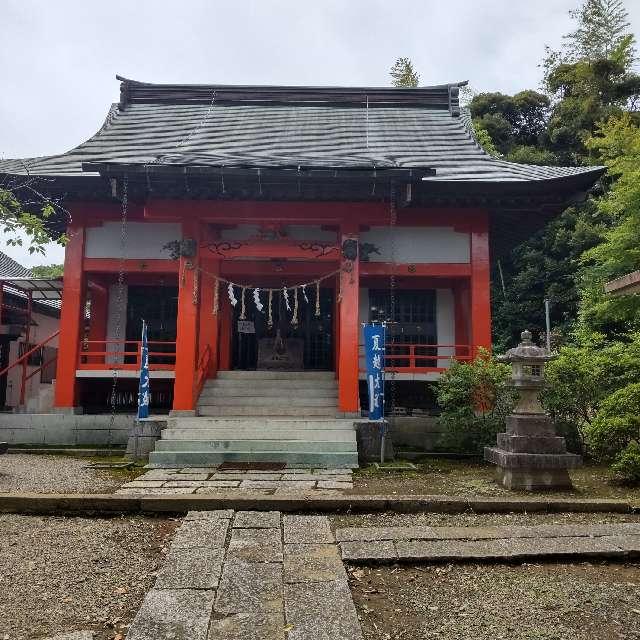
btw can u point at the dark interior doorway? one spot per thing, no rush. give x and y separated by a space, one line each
315 332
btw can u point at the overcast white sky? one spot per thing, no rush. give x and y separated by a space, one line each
59 58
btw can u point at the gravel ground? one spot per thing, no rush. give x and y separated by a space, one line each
54 474
583 601
66 574
467 478
475 519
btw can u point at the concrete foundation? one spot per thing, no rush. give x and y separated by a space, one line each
64 429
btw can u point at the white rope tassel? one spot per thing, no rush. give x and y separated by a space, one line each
317 298
216 296
294 320
243 307
232 297
285 293
256 300
304 293
270 319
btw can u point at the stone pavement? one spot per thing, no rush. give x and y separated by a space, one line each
191 480
250 576
424 544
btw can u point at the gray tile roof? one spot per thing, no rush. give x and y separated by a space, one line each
9 268
213 126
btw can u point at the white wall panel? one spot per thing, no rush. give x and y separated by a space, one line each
144 240
418 245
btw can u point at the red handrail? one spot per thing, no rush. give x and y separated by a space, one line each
201 371
94 357
414 360
26 355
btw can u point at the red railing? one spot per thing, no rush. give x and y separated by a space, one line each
202 371
125 355
424 358
24 361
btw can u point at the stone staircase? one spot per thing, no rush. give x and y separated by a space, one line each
262 416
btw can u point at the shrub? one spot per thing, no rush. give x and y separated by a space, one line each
475 399
626 468
617 423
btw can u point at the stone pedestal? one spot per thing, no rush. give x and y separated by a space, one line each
142 438
530 456
369 438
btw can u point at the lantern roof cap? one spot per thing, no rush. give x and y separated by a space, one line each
527 351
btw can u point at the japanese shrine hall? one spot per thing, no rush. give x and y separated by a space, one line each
204 210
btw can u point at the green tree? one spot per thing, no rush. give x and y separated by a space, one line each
51 271
403 74
33 221
617 144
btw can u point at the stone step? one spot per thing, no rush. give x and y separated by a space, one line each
276 411
270 391
267 401
276 375
269 383
306 435
298 459
283 422
262 444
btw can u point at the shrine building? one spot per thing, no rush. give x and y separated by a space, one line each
255 228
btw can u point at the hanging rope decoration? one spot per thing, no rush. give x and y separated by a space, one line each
256 299
232 297
256 291
243 308
317 298
216 296
294 319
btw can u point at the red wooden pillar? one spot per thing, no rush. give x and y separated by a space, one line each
336 325
480 283
98 320
209 321
348 327
187 323
461 317
71 319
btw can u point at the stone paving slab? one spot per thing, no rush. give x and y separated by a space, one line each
305 529
256 545
250 587
378 549
321 611
257 520
312 550
191 568
303 569
173 614
211 480
248 626
200 533
218 514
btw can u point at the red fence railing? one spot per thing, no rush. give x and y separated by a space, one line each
424 358
125 355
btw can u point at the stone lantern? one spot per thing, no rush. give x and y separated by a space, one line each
530 456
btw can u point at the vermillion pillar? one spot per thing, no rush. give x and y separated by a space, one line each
348 327
189 281
71 320
461 315
209 321
480 284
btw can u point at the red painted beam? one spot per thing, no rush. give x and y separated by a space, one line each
278 249
448 270
113 265
480 285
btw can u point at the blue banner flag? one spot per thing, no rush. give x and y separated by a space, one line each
374 344
143 390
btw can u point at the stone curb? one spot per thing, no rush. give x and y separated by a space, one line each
99 504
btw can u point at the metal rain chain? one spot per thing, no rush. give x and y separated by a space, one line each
120 302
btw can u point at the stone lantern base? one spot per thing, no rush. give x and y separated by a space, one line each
530 456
